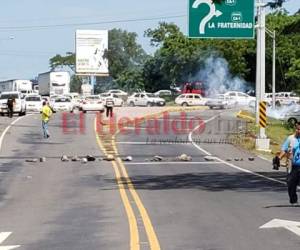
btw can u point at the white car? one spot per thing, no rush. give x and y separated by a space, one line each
34 103
286 98
20 104
221 101
62 104
241 98
120 93
145 99
117 100
190 100
163 93
92 103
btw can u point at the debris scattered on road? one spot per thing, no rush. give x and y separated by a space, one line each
157 158
109 158
236 159
251 158
64 158
32 160
128 158
90 158
209 158
184 157
75 158
43 159
84 160
228 159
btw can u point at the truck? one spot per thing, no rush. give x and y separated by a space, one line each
22 86
54 83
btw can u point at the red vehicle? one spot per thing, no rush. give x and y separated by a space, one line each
193 87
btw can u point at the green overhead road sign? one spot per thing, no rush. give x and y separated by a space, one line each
232 19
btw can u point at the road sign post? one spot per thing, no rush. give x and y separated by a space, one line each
231 19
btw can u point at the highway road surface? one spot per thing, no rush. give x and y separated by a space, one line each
216 197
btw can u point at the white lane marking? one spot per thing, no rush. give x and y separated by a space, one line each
7 128
224 162
293 226
3 237
174 162
197 127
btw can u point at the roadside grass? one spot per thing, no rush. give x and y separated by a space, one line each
276 131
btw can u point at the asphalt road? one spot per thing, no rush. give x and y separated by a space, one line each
140 204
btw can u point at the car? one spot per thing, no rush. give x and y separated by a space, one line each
190 100
120 93
221 101
33 102
92 103
286 98
20 104
163 93
117 100
291 116
145 99
62 104
241 98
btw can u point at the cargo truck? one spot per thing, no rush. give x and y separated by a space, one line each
54 83
23 86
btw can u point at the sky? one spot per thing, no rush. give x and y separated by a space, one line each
28 53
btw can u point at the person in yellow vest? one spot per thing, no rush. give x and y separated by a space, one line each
46 114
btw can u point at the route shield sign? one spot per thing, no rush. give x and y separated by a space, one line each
232 19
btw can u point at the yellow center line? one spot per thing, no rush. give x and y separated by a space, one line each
152 238
134 234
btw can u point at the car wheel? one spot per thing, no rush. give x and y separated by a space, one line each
84 111
184 104
131 104
292 121
149 104
211 107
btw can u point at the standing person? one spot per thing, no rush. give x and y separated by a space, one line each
291 147
109 104
10 106
46 114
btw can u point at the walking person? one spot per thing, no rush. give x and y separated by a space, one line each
10 106
109 104
46 114
291 147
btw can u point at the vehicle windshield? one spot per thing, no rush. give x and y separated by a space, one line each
150 95
56 84
62 100
33 99
7 96
92 97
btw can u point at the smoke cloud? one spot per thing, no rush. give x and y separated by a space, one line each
217 77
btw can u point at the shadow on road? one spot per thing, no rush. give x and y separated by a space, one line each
208 181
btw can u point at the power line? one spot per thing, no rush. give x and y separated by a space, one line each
33 27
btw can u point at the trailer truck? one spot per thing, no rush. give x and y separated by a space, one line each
23 86
54 83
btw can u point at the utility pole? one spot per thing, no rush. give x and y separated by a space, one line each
262 142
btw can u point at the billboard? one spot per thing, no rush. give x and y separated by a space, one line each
90 48
232 19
